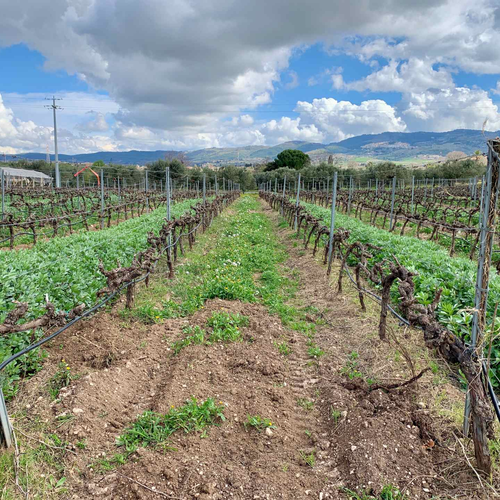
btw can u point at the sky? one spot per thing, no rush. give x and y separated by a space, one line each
192 74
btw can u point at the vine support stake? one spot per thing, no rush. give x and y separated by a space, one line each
102 198
392 202
476 400
146 188
412 194
284 194
332 224
297 201
6 428
204 188
350 196
3 193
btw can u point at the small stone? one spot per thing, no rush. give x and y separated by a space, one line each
77 411
269 432
354 448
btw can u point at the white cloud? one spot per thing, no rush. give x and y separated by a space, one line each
294 80
97 123
339 120
414 75
290 129
17 135
177 71
450 109
189 65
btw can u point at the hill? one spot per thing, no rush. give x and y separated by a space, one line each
388 146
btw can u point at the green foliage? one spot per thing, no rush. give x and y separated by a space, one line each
291 158
258 422
62 378
388 492
434 269
451 169
314 351
308 458
336 414
157 170
225 328
305 403
67 270
104 465
153 428
194 335
283 348
351 367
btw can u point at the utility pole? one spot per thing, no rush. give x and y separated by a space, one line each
54 107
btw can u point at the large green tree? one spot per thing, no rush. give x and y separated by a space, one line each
291 158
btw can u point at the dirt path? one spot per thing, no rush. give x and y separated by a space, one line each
327 431
404 438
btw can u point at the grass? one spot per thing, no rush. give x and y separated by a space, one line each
153 428
41 465
305 403
308 458
104 465
238 258
258 422
225 328
283 347
388 492
62 378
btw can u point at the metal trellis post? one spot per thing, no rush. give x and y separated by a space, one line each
332 223
297 201
489 199
392 202
412 194
3 193
102 198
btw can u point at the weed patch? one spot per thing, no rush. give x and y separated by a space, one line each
152 428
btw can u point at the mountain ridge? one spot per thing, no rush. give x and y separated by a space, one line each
387 145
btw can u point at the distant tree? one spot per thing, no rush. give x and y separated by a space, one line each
98 163
455 155
177 169
158 168
291 158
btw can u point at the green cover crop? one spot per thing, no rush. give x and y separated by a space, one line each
66 269
435 269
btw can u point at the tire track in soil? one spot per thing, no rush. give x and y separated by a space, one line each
377 438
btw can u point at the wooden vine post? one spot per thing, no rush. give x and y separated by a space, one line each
477 402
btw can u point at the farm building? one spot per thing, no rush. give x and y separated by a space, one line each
23 177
